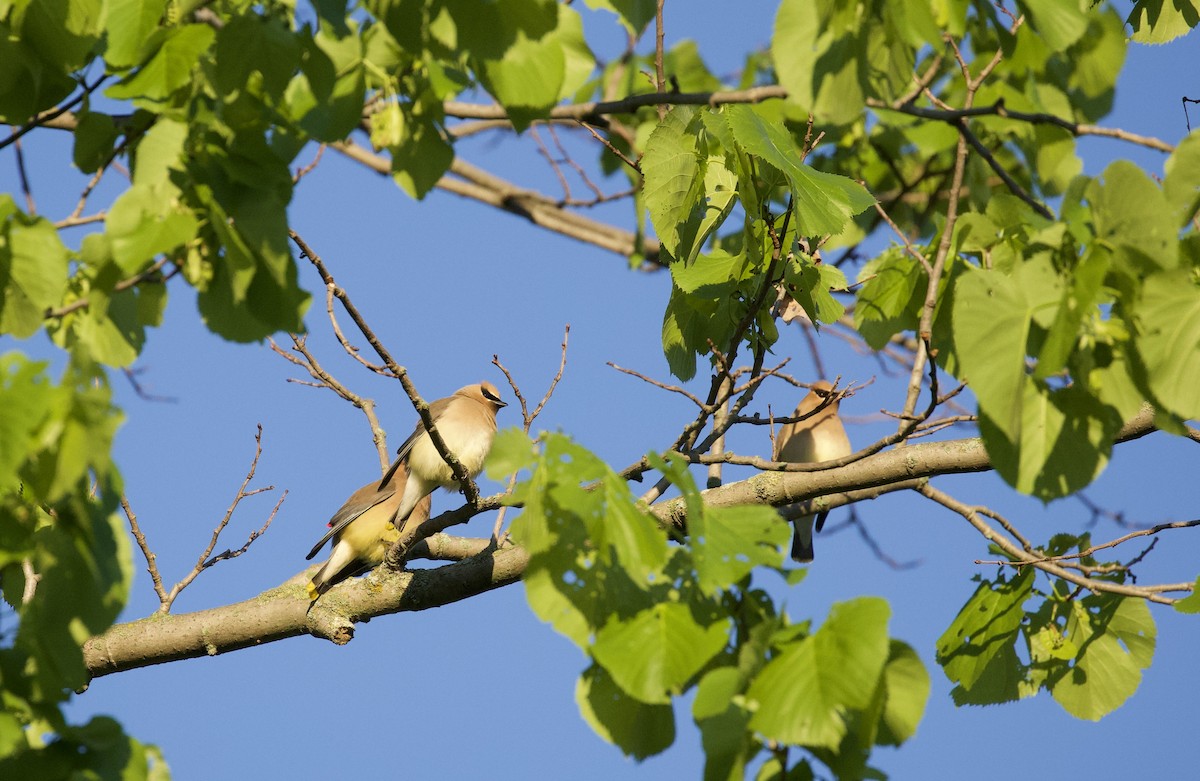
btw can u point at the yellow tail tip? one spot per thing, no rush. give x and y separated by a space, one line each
312 592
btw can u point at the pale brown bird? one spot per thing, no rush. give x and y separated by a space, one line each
467 424
820 437
362 532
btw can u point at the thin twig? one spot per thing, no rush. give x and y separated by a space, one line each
233 554
874 546
609 145
660 85
527 418
326 380
151 558
470 490
204 562
151 274
306 170
30 206
658 384
1020 557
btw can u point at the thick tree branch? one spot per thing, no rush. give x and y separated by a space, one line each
284 612
541 210
928 459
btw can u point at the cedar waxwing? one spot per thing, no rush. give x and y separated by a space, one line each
467 424
818 438
362 532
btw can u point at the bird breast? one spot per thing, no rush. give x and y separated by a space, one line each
469 443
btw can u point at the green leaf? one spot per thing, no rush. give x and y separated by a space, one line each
729 542
710 274
248 45
1116 637
657 651
818 65
567 582
809 283
112 326
1060 22
420 158
145 221
985 629
522 55
633 14
326 97
1168 340
888 299
673 167
683 326
62 32
1190 603
265 308
169 69
95 136
77 436
33 273
512 451
907 690
1064 441
1159 21
637 543
578 60
1132 213
28 83
805 692
25 395
724 723
824 203
130 24
85 567
1181 184
1079 301
527 81
639 729
991 318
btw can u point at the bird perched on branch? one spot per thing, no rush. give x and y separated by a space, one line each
362 531
820 437
466 422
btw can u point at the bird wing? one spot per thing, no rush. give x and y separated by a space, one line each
348 513
436 410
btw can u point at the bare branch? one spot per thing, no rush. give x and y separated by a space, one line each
609 145
527 418
470 491
151 275
151 559
233 554
204 561
656 383
326 380
1022 557
874 546
660 85
535 207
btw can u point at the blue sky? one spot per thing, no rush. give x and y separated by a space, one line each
481 687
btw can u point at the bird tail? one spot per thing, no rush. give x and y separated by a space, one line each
802 540
317 586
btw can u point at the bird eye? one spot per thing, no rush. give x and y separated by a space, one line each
487 394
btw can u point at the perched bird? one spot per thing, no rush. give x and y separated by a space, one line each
362 532
818 438
467 424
